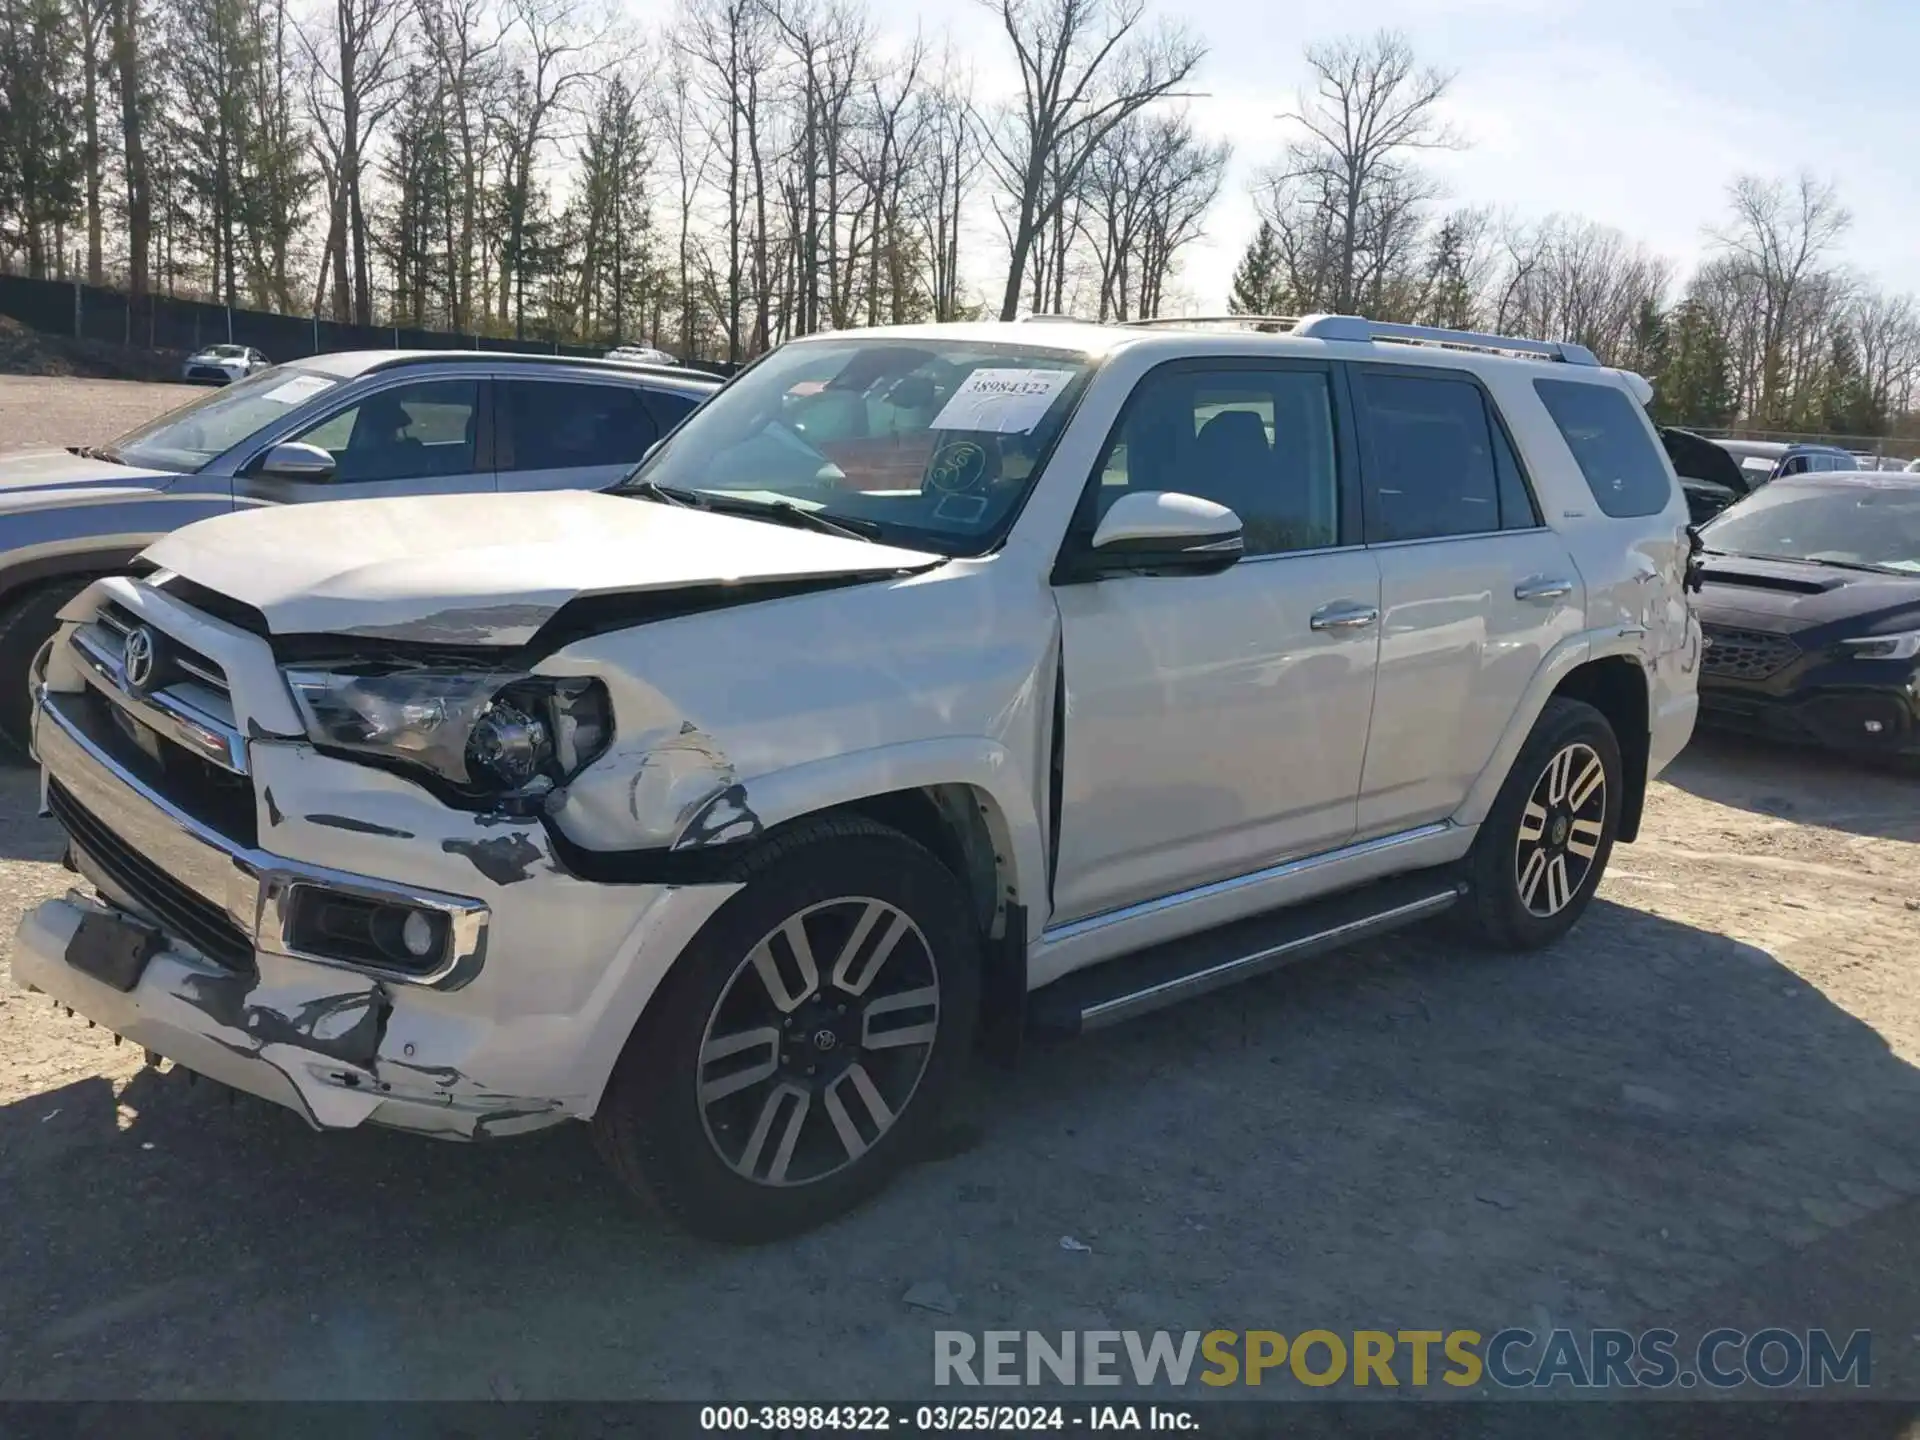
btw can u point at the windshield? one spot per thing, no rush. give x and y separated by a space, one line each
188 438
1848 524
926 443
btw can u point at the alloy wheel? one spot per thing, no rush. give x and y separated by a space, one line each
1560 830
818 1041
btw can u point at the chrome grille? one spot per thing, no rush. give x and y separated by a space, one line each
182 697
117 623
122 870
1746 654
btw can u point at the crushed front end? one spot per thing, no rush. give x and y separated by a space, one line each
295 922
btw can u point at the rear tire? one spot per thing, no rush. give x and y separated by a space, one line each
1545 843
26 622
802 1049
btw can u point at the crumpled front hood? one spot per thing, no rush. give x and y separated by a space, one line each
489 569
60 477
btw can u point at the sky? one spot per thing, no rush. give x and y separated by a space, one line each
1633 113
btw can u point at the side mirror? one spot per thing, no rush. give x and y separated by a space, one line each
647 454
1162 532
294 461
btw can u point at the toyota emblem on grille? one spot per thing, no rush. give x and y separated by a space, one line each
136 661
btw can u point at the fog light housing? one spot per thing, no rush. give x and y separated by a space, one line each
356 930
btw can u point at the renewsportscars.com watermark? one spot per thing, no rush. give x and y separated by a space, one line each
1513 1359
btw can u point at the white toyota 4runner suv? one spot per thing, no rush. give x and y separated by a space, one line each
926 684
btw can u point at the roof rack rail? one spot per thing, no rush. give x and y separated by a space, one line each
1264 323
1353 327
1361 330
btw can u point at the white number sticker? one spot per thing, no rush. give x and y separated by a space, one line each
300 387
1004 402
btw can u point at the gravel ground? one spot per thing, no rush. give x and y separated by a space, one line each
56 410
1700 1109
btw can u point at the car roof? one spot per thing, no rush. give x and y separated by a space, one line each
1851 480
1177 339
349 364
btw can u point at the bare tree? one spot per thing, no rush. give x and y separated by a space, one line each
1886 330
1570 279
949 164
555 47
127 41
728 45
462 42
1345 200
355 68
1779 236
1085 66
1148 189
92 19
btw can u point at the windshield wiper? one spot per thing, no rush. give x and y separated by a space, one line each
1852 565
94 452
787 511
665 494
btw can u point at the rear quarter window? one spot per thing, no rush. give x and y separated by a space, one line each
1612 444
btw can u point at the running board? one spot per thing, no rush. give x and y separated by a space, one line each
1117 990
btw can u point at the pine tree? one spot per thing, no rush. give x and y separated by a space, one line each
1258 288
40 165
1449 291
1846 403
1695 385
1650 341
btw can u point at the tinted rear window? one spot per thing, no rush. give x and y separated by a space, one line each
1610 440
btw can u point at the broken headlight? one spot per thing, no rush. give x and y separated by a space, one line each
492 734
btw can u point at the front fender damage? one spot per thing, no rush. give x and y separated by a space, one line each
671 787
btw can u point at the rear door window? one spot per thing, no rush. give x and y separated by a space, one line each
1613 445
560 425
1432 467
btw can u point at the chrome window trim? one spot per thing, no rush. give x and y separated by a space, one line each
1467 535
254 887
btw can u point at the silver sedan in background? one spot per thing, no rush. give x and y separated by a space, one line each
223 364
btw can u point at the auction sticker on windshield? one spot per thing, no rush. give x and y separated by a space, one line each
300 387
1004 402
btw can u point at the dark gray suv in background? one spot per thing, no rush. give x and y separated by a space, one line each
351 425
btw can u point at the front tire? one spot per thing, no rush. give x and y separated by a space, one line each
26 621
1545 843
802 1049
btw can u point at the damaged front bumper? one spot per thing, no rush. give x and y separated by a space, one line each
464 1049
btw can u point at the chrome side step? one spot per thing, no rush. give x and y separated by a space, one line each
1118 990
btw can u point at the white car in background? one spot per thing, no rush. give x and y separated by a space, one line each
223 364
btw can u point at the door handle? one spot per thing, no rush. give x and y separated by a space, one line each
1343 615
1541 587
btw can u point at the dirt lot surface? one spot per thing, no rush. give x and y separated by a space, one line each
1700 1109
58 410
